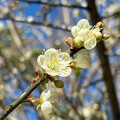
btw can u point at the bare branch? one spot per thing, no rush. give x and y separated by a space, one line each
62 27
54 4
20 99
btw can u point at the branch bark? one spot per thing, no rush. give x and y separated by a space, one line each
54 4
107 75
62 27
20 99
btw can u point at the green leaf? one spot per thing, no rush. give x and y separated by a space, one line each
44 81
59 83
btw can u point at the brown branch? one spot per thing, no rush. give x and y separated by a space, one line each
107 75
54 4
62 27
112 15
20 99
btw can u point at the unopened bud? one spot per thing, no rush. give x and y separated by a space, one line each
73 65
98 35
69 41
77 42
39 73
106 36
99 25
30 100
37 101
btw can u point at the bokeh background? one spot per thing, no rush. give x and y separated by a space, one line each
29 26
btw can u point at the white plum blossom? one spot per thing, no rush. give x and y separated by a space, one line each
49 99
86 35
55 62
82 59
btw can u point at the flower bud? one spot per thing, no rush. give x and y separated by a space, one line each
106 36
69 41
73 65
98 35
99 25
77 42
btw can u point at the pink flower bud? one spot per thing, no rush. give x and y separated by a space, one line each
69 41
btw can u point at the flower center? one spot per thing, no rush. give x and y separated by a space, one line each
53 64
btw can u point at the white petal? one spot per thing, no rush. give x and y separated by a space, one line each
50 94
51 54
64 59
46 109
46 95
41 61
83 24
84 33
90 43
74 31
82 59
96 30
52 72
65 72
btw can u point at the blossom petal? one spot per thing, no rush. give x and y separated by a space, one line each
84 33
82 59
65 72
50 94
74 31
52 72
41 61
83 24
46 109
90 43
51 54
64 59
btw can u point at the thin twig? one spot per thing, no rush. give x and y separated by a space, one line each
54 4
20 99
62 27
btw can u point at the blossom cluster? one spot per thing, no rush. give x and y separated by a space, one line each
57 63
83 34
49 99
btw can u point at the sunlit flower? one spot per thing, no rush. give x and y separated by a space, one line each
49 99
86 35
55 62
82 59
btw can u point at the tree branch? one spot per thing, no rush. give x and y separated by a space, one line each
107 75
62 27
20 99
112 15
54 4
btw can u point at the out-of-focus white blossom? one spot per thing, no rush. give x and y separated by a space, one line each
30 19
86 35
82 59
1 26
55 63
49 99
